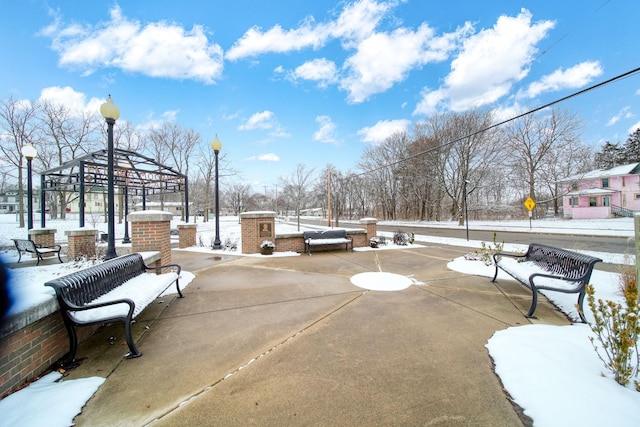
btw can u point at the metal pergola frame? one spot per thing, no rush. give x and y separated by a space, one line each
134 173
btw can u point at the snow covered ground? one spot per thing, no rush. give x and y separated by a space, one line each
550 371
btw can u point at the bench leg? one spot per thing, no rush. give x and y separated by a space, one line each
59 259
178 289
495 275
580 309
534 303
133 351
69 360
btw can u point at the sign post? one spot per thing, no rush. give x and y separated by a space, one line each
529 204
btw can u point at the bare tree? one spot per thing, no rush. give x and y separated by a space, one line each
534 144
19 127
469 153
68 134
384 172
296 187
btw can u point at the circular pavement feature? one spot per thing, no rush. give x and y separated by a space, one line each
379 281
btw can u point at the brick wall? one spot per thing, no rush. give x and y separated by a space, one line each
151 231
186 235
255 228
45 237
81 243
30 351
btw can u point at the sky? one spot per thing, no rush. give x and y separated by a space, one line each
285 82
544 368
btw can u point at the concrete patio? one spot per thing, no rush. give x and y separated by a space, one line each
290 341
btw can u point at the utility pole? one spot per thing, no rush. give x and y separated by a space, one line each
329 197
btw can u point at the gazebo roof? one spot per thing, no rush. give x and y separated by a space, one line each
138 173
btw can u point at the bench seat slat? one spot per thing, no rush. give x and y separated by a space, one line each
326 241
116 290
326 237
544 267
142 290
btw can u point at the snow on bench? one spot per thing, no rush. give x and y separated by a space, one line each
116 290
326 237
547 268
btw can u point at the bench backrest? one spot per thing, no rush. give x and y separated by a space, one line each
25 245
326 234
83 286
561 261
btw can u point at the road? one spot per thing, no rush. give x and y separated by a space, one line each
610 244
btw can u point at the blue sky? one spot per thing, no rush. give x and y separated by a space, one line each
284 82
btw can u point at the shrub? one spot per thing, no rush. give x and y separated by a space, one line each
616 329
230 245
401 238
486 250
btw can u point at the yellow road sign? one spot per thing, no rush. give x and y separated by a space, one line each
529 204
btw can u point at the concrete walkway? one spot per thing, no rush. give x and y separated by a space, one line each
275 341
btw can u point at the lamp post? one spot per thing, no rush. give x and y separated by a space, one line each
29 152
216 146
126 238
466 211
111 113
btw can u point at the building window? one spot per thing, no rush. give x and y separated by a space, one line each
605 182
637 196
606 201
573 201
593 201
574 186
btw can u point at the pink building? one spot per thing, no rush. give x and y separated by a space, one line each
602 193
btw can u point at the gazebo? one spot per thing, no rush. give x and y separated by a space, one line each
134 173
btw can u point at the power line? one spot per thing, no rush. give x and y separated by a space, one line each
535 110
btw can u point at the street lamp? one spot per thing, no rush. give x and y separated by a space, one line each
466 211
30 153
216 146
110 113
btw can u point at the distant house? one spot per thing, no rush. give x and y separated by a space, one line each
602 193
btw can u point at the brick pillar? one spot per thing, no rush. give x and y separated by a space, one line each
255 227
44 237
371 225
151 231
187 235
81 242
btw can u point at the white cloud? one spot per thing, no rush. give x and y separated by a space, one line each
488 65
377 133
624 113
574 77
327 131
633 128
356 20
384 59
265 120
267 157
262 120
74 101
158 49
320 70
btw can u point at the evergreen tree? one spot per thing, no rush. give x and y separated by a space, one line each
609 156
631 148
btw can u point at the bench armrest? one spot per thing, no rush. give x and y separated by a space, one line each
161 267
502 254
555 276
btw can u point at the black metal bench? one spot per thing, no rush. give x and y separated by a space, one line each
29 246
326 237
547 268
115 290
